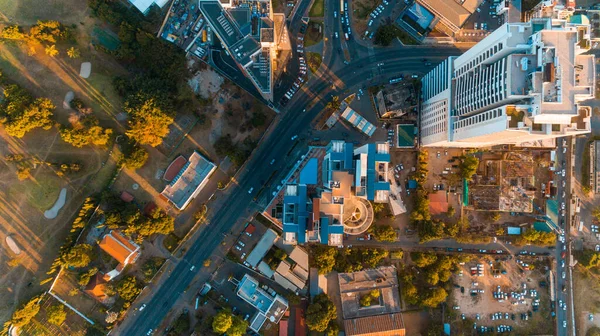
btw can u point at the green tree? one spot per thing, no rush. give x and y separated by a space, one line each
222 322
596 213
384 233
324 258
56 314
320 313
451 211
51 50
593 331
84 278
468 166
385 34
423 259
136 157
333 329
149 122
12 33
85 132
73 52
238 326
533 236
151 266
78 256
158 222
434 297
588 258
495 216
20 113
23 315
181 325
365 300
334 104
432 277
128 288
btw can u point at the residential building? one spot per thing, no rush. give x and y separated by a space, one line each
322 211
262 247
251 33
450 15
595 170
187 184
383 316
121 249
524 82
96 287
269 307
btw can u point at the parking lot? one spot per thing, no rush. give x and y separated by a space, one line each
246 241
505 292
481 23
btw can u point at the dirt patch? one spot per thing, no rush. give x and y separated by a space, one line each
29 11
586 291
206 83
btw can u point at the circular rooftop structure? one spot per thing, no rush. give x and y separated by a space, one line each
358 215
579 19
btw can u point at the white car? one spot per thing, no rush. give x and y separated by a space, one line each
335 14
250 190
142 307
294 137
336 35
564 275
192 268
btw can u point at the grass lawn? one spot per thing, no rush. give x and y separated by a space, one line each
362 8
171 242
314 34
317 9
41 192
29 11
313 60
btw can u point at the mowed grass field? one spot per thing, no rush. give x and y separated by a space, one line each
26 12
22 203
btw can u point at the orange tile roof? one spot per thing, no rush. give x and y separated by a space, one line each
438 203
96 286
118 247
381 325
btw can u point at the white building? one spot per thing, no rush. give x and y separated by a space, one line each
524 82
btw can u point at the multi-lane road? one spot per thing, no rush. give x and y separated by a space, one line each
313 97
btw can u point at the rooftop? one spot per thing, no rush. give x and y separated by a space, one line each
449 10
382 325
269 307
119 247
190 180
353 285
262 247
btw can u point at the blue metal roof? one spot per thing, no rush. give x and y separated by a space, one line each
301 217
412 184
372 158
308 174
327 229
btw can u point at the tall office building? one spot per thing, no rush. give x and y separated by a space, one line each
522 83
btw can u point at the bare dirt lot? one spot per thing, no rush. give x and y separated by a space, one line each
478 297
586 291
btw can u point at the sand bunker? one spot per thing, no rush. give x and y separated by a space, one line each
13 245
60 202
86 69
68 99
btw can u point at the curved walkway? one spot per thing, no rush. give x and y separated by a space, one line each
358 216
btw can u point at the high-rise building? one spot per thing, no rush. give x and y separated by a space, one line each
524 82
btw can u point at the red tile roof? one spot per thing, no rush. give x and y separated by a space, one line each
438 202
96 287
119 247
174 168
381 325
250 228
126 197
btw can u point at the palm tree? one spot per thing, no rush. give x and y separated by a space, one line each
51 50
73 52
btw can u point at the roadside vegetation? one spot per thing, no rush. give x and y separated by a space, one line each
317 9
386 33
313 60
428 284
314 33
328 258
321 316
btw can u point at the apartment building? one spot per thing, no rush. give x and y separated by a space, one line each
524 82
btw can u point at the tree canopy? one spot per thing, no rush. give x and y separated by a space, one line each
324 258
56 314
85 131
384 233
20 113
238 326
149 122
535 237
158 222
222 322
128 288
320 313
135 157
423 259
78 256
468 166
23 315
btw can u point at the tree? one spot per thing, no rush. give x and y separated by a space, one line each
365 300
320 313
51 50
222 322
238 326
136 158
12 33
128 288
85 132
84 278
533 236
181 325
385 34
596 213
334 104
423 259
111 317
73 52
20 113
151 266
468 166
432 298
149 122
495 216
78 256
324 258
56 314
451 211
23 315
593 331
384 233
158 222
333 329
